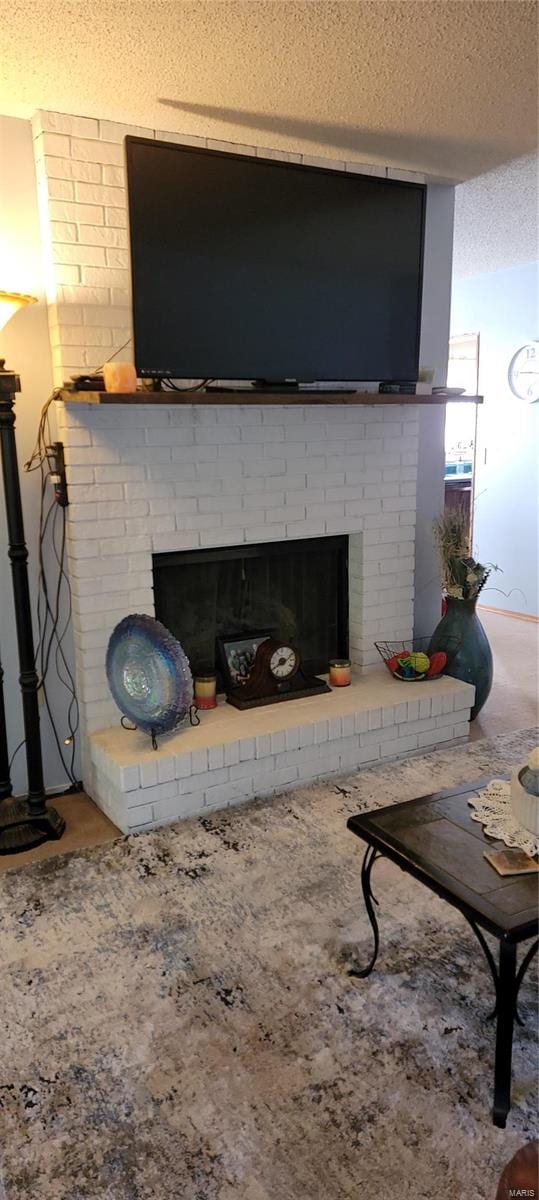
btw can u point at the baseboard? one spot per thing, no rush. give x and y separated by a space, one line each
506 612
56 791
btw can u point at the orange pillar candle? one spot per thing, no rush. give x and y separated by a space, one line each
205 691
120 377
340 672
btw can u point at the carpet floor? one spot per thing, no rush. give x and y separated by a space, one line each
178 1021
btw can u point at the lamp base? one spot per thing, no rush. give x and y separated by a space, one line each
21 829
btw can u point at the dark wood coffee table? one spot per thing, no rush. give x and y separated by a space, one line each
435 840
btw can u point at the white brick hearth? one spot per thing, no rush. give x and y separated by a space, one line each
234 756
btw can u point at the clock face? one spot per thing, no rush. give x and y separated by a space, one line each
523 372
284 662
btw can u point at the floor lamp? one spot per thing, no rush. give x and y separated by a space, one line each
25 822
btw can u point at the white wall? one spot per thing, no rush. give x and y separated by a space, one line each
502 307
434 354
25 344
495 294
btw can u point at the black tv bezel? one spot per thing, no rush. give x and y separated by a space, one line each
166 373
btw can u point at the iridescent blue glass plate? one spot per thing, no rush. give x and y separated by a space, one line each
149 674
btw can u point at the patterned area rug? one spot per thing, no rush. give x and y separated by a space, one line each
178 1021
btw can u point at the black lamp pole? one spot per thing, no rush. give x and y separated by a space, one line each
5 779
26 822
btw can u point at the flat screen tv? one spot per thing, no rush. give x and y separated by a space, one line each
246 268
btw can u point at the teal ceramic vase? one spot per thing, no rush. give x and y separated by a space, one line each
469 657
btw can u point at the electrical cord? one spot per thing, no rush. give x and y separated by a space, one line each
51 594
98 370
41 451
48 622
15 752
60 660
48 619
173 387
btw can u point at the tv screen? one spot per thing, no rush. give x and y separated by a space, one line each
250 268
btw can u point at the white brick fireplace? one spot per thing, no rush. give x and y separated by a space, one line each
143 480
147 479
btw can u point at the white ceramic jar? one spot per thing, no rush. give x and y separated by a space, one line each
525 793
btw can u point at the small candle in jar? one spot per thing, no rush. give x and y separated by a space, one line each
205 691
340 672
120 377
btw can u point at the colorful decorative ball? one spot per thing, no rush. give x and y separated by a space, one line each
415 664
149 674
405 668
419 661
437 663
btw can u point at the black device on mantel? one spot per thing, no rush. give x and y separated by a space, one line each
85 383
276 674
246 268
394 387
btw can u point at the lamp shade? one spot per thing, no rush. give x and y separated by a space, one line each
10 302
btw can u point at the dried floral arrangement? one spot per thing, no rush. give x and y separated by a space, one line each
462 576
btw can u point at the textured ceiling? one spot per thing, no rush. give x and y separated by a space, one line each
496 219
443 86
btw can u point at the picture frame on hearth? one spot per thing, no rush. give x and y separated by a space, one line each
236 653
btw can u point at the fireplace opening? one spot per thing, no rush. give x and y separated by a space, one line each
295 590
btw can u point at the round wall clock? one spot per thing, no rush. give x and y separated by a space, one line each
523 373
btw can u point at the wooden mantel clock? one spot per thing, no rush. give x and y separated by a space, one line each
276 675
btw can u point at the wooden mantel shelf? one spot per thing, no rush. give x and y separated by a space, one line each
257 398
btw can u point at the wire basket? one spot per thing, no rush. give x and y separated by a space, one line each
389 651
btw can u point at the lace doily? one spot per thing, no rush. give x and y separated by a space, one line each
492 808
